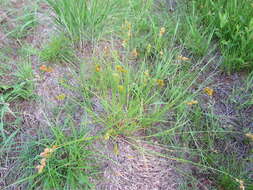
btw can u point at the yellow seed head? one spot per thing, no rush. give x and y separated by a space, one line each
128 25
134 53
46 68
43 162
160 82
40 168
98 68
209 91
192 102
61 97
182 58
108 134
162 31
146 73
241 182
249 135
121 69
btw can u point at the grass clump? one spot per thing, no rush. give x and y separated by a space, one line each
126 99
82 20
58 50
59 162
25 23
23 88
232 24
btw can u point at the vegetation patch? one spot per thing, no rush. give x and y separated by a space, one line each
126 95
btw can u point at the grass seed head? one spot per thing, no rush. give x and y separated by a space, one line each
209 91
162 31
160 83
192 102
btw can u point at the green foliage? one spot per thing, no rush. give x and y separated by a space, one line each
233 27
69 166
138 88
58 50
197 39
25 23
82 19
22 89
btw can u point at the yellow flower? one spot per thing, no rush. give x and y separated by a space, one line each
46 68
61 97
162 31
121 88
98 68
121 69
192 102
134 53
249 135
160 82
182 58
209 91
161 53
